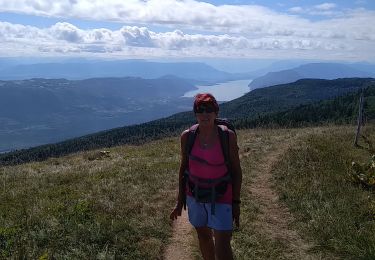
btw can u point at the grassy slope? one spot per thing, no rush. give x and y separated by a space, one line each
118 206
77 207
313 180
250 242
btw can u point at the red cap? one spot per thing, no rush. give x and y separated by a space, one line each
205 98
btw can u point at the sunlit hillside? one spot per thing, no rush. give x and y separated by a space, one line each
114 203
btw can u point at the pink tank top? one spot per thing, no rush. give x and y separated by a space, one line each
213 155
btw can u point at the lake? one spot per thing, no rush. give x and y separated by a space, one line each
223 91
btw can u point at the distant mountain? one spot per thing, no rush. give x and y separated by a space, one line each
194 71
278 66
253 109
340 110
280 97
39 111
364 66
311 70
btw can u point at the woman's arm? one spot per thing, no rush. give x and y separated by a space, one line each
181 189
236 176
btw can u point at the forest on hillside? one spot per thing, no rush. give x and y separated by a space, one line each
341 109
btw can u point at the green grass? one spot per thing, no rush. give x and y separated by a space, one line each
331 211
93 206
251 242
81 207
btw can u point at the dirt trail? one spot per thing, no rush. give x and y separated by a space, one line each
182 239
274 217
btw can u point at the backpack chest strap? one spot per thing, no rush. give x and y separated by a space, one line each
199 180
203 161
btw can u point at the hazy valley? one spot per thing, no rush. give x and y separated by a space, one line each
38 111
45 110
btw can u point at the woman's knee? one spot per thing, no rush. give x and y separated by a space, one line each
222 238
223 249
204 233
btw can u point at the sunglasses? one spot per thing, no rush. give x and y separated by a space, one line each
208 109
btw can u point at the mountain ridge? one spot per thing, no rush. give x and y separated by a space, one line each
173 125
193 71
310 70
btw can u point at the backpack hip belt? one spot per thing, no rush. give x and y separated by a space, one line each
207 190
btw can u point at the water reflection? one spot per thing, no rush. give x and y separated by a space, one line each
224 91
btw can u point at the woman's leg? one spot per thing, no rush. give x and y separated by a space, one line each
223 249
206 243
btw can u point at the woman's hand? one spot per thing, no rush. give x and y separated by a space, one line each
236 214
176 212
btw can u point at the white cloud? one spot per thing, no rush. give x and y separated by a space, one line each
247 20
66 38
67 32
135 36
296 9
16 31
325 9
325 6
100 35
174 13
218 30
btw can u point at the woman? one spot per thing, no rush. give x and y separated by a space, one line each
213 223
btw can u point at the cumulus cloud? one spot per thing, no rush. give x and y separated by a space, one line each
247 20
325 9
135 36
296 9
218 30
185 14
67 32
17 31
325 6
66 38
100 35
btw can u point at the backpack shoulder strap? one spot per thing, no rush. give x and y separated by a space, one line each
193 131
224 141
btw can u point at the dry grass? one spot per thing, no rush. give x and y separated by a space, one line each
260 149
330 210
116 205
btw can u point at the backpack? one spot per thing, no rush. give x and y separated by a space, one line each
208 190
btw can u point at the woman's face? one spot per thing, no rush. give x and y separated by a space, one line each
206 114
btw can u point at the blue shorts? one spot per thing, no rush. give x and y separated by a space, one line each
200 215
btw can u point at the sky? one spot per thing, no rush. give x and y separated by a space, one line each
164 29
